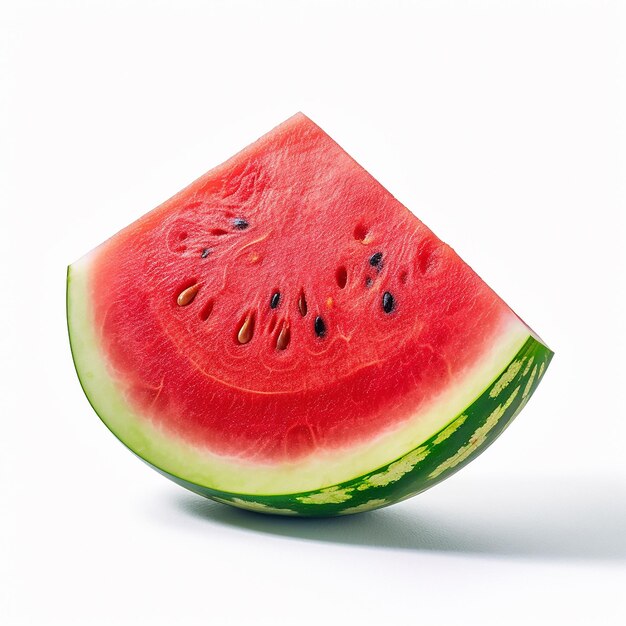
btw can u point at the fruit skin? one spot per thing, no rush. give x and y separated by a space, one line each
460 441
453 447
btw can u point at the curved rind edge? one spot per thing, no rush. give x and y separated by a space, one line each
450 448
447 451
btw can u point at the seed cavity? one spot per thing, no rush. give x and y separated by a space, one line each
376 260
206 310
218 232
360 232
240 224
186 296
272 324
206 252
403 277
246 331
302 306
369 282
429 257
284 337
342 277
388 302
320 327
275 300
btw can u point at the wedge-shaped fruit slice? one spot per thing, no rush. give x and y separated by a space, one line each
285 336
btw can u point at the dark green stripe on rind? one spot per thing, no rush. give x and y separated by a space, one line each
462 440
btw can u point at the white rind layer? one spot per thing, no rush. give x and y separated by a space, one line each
203 467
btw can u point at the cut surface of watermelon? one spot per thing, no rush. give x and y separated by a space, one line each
283 331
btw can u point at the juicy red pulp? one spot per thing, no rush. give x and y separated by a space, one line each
286 302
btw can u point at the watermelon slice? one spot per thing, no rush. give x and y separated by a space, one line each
284 336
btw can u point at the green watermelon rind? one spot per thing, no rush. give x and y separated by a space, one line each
445 451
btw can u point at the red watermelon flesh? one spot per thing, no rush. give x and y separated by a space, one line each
286 305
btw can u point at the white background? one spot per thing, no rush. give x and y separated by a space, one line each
501 124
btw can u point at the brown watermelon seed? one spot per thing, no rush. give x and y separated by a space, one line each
388 302
206 310
302 304
275 300
342 277
320 327
240 224
205 253
284 337
186 296
376 260
247 330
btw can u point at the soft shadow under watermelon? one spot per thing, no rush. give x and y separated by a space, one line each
555 518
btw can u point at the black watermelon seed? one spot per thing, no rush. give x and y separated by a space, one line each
320 327
240 224
376 259
274 302
388 302
205 253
